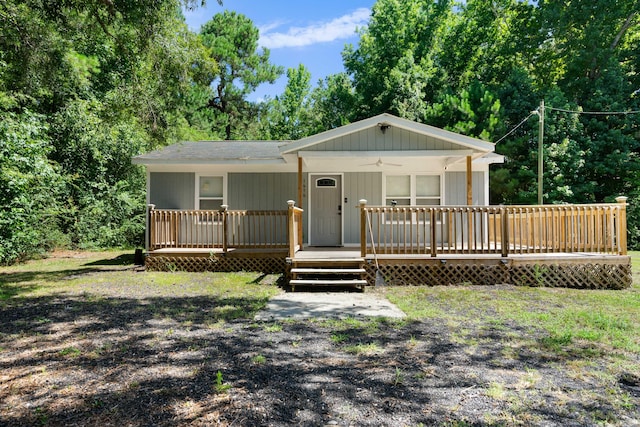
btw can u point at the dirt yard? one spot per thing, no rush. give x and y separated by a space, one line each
103 344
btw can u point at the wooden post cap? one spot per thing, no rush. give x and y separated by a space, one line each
622 199
291 203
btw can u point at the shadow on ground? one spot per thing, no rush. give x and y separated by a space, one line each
91 360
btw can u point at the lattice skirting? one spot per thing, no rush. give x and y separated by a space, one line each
433 274
275 265
582 276
605 275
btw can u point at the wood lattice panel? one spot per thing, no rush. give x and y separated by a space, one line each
220 264
581 276
432 274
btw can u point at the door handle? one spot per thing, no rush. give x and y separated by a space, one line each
339 209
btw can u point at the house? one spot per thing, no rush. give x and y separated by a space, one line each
381 186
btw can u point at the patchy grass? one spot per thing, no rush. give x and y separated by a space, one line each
87 338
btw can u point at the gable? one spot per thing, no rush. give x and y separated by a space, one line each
392 139
386 132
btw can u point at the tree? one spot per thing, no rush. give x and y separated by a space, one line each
394 66
232 40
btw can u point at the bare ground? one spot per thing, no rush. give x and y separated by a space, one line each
133 358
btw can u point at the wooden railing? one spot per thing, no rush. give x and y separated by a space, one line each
599 228
294 220
222 229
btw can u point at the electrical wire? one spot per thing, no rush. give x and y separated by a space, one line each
562 110
533 113
595 113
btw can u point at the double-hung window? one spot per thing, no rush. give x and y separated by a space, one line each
413 190
210 192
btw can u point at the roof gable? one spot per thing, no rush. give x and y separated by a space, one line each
373 131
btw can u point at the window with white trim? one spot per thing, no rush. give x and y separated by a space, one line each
413 190
210 192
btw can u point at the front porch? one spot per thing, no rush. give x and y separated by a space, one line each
581 246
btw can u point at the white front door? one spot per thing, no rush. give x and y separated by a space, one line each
325 210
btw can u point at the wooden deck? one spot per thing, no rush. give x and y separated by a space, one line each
582 246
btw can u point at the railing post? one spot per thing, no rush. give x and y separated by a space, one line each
148 235
291 228
622 229
434 241
363 228
225 227
504 219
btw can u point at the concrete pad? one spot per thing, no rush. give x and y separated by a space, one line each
326 305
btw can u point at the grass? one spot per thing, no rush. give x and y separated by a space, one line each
603 319
102 278
591 335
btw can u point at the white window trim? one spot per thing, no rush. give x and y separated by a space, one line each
197 185
412 183
412 192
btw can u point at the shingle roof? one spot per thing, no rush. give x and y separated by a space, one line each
214 151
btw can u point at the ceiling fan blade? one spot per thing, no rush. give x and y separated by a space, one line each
380 163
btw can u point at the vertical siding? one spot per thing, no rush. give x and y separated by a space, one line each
372 139
455 192
172 190
359 185
261 191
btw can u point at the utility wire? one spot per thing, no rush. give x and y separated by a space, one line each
533 113
562 110
595 113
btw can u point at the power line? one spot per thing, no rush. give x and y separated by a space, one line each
596 113
518 125
562 110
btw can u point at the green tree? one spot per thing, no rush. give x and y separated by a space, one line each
394 67
232 40
30 186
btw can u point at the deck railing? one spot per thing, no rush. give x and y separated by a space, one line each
221 229
295 228
435 230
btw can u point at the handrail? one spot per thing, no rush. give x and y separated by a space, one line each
294 220
504 230
223 229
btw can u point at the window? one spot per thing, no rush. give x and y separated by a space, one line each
409 190
211 191
326 182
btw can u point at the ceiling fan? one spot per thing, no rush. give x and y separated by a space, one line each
380 163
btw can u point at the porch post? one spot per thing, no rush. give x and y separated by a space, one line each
363 228
300 227
622 229
147 232
225 227
291 228
469 182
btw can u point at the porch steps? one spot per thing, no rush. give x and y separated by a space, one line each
336 272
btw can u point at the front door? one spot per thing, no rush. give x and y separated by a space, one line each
326 210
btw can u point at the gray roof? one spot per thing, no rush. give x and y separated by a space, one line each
214 152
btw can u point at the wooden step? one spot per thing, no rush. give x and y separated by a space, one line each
328 271
323 282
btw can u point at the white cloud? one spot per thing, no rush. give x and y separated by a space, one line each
339 28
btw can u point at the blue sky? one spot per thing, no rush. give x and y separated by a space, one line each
313 33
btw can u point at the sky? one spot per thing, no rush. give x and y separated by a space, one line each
309 32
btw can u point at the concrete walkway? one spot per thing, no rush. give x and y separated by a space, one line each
326 305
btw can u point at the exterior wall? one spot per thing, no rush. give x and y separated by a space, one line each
172 190
359 185
455 192
393 138
261 191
